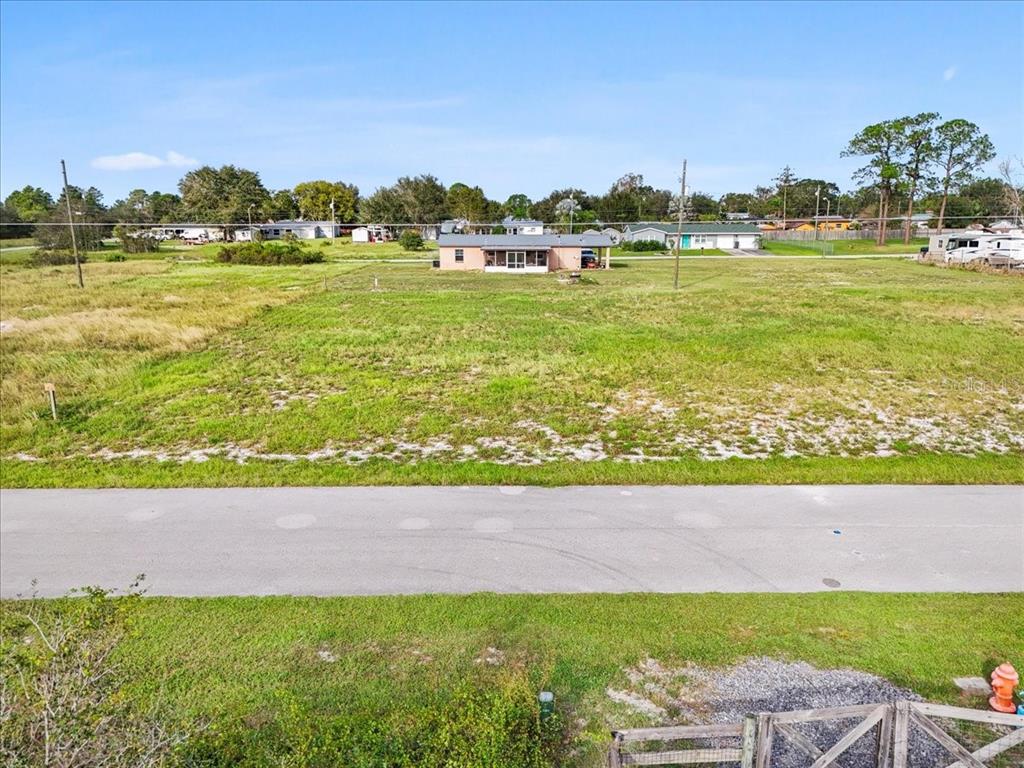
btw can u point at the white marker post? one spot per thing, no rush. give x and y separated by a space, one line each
51 392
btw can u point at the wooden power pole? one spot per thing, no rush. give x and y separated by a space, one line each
71 223
679 226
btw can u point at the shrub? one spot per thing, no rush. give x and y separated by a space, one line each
116 256
63 697
498 230
642 245
411 240
45 257
268 254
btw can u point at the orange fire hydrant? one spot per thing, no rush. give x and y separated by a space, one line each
1004 680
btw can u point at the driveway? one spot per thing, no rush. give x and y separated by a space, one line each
358 541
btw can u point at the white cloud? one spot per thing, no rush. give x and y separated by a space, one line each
949 74
139 161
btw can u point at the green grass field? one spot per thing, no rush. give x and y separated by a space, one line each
274 664
858 247
754 371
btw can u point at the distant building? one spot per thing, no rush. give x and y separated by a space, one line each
275 230
1003 225
697 234
372 233
612 233
832 222
515 226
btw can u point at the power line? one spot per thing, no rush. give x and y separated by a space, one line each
231 225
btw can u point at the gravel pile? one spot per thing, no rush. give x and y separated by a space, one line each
695 694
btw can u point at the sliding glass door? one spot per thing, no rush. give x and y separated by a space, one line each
517 259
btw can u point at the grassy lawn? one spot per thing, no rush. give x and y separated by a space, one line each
394 661
16 242
688 252
860 247
755 371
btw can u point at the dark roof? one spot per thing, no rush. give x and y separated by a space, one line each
697 228
526 241
296 223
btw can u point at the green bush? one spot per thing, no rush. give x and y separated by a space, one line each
44 257
268 254
116 256
642 245
65 696
411 240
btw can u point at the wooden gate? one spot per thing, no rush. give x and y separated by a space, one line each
755 739
783 725
920 714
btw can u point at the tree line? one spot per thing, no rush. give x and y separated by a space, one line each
911 163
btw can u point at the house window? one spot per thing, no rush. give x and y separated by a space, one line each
459 255
542 259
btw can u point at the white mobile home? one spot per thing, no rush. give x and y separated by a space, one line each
697 234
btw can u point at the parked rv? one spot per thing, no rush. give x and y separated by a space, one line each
999 249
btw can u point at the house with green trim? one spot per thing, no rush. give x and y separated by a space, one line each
726 235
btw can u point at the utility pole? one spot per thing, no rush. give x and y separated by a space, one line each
817 209
71 223
785 188
679 226
333 226
572 210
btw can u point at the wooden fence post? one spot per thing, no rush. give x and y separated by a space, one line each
885 737
748 742
614 751
764 740
901 726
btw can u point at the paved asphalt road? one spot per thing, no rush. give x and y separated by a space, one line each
327 541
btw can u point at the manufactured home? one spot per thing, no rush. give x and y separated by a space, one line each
514 226
698 234
521 254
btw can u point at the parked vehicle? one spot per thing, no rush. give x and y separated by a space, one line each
588 259
996 249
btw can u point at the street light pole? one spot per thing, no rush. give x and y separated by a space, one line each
679 224
251 238
71 223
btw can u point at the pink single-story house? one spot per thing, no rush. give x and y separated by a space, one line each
521 253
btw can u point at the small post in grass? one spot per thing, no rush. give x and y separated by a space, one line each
51 393
547 705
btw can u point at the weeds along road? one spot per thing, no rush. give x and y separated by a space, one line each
354 541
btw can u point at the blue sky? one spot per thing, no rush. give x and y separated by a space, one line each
514 97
